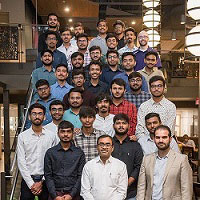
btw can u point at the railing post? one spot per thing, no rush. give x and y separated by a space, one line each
3 186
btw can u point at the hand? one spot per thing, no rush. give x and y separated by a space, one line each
130 181
67 197
36 188
133 138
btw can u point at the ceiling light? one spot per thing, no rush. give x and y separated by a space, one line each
67 9
173 35
70 20
154 38
193 8
151 3
133 22
151 19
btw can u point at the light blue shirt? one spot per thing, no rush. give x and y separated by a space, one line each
59 92
73 118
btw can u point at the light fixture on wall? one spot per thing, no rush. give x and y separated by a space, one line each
183 20
151 19
67 9
173 35
193 9
70 20
154 38
151 3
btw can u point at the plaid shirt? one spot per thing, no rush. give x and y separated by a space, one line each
87 58
88 143
137 99
128 108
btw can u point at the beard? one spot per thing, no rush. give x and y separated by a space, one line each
136 89
47 64
121 133
164 147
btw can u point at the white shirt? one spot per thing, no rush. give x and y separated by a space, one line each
126 49
54 129
31 149
73 42
105 124
104 182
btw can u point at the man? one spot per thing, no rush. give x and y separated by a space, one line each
188 143
75 100
104 177
61 87
95 85
53 23
82 43
119 28
157 104
78 28
143 39
120 105
63 165
130 37
100 41
31 147
165 174
111 41
152 121
67 48
128 62
127 151
104 120
58 57
136 95
86 139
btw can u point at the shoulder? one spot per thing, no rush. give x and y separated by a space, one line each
169 103
99 132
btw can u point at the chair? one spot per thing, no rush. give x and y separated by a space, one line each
196 188
189 151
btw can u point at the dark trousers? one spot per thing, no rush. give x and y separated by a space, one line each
62 194
26 193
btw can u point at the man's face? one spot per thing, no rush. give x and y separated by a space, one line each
37 116
51 41
105 147
75 99
113 59
66 36
61 73
135 83
162 139
130 36
43 92
78 30
87 121
143 38
77 62
95 71
82 43
57 112
78 80
95 55
103 106
65 135
121 127
52 21
118 29
152 124
112 43
128 63
47 59
102 28
150 61
157 89
117 91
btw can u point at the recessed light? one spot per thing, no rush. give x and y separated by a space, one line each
70 20
133 22
67 9
71 28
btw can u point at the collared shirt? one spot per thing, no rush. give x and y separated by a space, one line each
58 58
140 59
165 108
63 169
121 43
105 124
31 149
70 116
130 153
73 41
54 129
137 99
124 76
87 58
88 143
158 177
68 52
104 181
126 49
101 42
59 92
128 108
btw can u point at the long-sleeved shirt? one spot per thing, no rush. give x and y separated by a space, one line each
63 169
104 181
130 153
31 149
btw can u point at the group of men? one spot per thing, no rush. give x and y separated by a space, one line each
99 124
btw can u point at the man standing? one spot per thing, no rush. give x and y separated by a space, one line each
63 165
104 177
165 174
111 41
78 28
157 104
127 151
31 148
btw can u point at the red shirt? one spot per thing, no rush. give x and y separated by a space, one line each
128 108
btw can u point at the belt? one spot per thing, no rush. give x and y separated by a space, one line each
37 178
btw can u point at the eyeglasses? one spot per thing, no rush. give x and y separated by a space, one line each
57 109
135 80
148 59
44 88
107 145
156 86
110 57
34 114
78 77
51 39
141 37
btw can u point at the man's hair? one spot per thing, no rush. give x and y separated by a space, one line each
80 35
157 78
51 14
112 51
36 105
104 136
119 22
102 96
111 35
76 89
87 111
67 29
51 33
185 136
65 124
151 53
92 48
56 102
163 127
150 115
101 20
78 24
94 62
119 82
75 54
46 50
41 82
62 65
129 29
134 75
76 72
128 54
121 116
